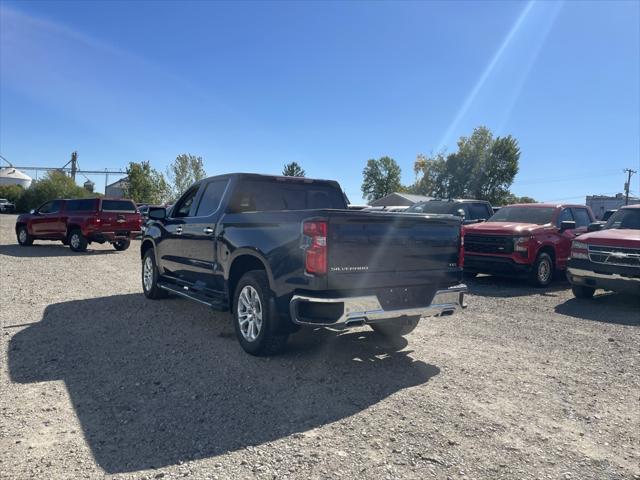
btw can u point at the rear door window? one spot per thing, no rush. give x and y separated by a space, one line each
118 206
211 197
84 205
51 207
582 217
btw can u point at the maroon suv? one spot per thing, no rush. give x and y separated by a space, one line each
532 240
78 222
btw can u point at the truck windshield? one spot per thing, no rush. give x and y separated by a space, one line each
626 218
433 207
537 215
265 195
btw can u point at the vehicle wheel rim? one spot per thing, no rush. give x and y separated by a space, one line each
147 274
75 240
544 270
22 236
249 313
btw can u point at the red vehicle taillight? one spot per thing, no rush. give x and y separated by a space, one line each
316 253
461 252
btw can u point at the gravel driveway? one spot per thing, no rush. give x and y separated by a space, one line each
96 381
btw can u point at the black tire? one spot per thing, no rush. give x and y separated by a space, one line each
580 291
122 245
253 309
24 239
543 270
77 241
398 327
150 287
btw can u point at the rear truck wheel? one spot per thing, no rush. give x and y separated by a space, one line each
24 238
77 241
580 291
122 245
150 277
398 327
542 272
253 320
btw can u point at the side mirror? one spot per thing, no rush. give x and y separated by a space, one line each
595 226
567 225
33 211
157 213
460 213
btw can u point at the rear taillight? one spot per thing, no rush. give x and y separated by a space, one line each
461 252
316 252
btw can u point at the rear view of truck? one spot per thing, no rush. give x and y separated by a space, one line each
384 270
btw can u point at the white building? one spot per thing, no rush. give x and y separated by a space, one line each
601 203
116 189
13 176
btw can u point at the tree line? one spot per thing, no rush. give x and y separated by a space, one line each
482 168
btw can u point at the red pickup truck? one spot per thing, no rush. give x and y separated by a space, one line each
532 240
609 258
79 222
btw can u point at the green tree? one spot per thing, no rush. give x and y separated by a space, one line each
380 177
511 199
11 192
483 167
185 170
145 184
55 184
293 170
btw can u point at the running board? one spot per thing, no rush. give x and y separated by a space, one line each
193 295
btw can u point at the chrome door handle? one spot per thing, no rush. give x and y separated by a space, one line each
207 230
179 229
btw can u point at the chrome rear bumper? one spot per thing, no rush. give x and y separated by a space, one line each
367 309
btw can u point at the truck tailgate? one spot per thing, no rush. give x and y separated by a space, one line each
370 249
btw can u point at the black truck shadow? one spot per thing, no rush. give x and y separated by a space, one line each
47 250
604 307
158 382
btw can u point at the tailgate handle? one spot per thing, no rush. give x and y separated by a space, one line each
207 230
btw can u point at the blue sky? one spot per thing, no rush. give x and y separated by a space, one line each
251 86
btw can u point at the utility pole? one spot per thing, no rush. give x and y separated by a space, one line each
627 185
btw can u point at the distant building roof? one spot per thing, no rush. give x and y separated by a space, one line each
399 199
118 183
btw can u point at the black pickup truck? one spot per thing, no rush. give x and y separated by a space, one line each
281 252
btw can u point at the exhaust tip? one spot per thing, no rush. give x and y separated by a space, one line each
446 313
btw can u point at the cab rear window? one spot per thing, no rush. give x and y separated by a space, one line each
118 206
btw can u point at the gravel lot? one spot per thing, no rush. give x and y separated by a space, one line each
96 381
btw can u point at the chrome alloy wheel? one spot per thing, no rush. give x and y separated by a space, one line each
544 271
147 274
249 313
75 240
22 235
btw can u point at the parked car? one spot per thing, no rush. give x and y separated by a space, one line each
6 206
608 258
281 252
79 222
531 240
471 211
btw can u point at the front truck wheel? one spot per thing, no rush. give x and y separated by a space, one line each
580 291
150 277
24 238
398 327
253 320
542 272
